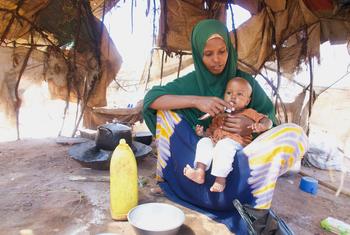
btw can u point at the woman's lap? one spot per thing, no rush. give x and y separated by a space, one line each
255 169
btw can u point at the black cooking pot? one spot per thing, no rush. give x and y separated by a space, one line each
108 136
144 137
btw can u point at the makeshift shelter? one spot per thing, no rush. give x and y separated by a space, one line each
68 41
60 42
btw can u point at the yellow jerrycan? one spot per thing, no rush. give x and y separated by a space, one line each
123 181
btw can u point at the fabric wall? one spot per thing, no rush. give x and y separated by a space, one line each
178 18
294 31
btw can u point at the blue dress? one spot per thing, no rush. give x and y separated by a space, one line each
252 180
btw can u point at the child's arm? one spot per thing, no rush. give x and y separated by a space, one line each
263 125
199 130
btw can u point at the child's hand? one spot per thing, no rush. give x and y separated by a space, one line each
199 130
258 127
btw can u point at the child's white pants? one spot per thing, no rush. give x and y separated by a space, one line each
221 154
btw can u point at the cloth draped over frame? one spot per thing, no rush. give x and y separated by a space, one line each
255 169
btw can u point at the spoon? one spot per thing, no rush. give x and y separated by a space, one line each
207 115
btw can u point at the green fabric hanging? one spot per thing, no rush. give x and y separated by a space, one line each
202 82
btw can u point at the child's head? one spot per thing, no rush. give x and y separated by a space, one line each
238 92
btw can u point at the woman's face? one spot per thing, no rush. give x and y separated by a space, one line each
215 55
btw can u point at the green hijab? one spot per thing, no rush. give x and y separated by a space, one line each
202 82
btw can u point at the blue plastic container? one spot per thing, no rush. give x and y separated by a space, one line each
309 185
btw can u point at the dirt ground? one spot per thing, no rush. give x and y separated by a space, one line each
43 190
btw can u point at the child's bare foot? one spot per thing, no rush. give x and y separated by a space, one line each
219 185
157 191
196 175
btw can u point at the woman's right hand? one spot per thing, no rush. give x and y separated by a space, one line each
212 105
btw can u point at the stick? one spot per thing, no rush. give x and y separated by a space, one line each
89 178
329 186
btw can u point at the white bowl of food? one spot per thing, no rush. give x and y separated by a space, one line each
156 219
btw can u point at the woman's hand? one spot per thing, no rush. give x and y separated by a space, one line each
238 124
212 105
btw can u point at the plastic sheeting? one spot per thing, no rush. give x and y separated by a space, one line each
54 27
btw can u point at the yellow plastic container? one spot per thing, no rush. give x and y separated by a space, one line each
123 181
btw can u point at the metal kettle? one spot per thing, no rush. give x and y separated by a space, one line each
108 136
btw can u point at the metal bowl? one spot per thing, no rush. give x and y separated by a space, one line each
156 219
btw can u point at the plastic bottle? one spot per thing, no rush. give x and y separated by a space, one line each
335 226
123 181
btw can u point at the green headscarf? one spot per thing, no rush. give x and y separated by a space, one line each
202 82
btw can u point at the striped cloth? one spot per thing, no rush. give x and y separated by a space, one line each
271 155
252 180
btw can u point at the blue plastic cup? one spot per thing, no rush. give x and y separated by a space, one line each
309 185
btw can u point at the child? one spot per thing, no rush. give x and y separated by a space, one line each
219 146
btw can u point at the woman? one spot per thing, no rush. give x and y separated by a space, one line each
171 112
